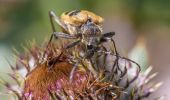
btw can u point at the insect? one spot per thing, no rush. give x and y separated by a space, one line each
84 28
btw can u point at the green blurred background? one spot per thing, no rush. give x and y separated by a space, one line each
142 28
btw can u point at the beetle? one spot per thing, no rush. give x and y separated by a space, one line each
84 27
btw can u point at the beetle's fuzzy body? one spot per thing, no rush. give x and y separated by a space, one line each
84 23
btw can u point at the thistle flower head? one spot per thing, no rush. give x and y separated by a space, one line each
39 81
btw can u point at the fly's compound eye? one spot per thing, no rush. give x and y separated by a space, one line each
89 46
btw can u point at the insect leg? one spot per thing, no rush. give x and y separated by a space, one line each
52 62
108 35
58 20
72 44
53 28
64 35
55 60
117 61
117 58
52 35
115 49
51 21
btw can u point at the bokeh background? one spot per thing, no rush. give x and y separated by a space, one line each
142 30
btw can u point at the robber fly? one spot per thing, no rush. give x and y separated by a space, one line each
84 27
